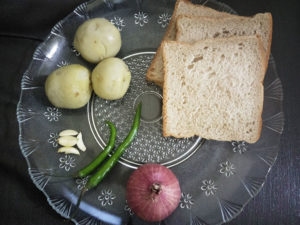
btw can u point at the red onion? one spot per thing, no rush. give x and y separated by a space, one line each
153 192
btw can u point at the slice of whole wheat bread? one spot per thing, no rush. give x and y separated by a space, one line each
214 88
182 7
194 28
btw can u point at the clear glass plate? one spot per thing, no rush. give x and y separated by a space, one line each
217 178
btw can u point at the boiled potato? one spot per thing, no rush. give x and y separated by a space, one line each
97 39
69 86
111 78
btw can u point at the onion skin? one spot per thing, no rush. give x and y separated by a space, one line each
153 192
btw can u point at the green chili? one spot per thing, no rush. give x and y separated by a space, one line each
106 167
96 162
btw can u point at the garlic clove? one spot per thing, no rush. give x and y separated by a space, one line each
68 133
68 150
67 141
80 143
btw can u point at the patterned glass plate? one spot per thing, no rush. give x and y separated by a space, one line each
217 178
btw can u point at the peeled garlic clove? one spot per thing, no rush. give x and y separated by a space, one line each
68 133
68 150
80 143
67 141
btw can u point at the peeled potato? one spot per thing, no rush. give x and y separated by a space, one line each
111 78
69 87
97 39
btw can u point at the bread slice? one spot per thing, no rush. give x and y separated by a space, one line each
214 88
194 28
182 7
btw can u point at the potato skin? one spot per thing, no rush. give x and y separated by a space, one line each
97 39
111 78
69 87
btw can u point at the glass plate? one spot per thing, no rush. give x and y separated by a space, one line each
217 178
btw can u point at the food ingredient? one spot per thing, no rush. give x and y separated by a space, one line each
68 150
214 89
97 39
80 143
69 87
111 78
68 140
155 71
108 165
68 132
193 28
153 192
96 162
